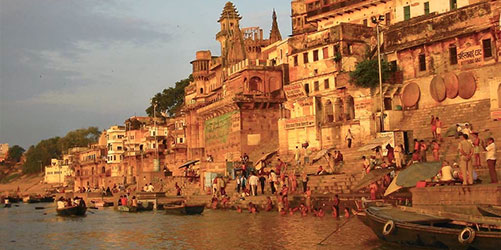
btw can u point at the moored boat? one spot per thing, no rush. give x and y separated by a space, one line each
185 209
488 210
71 211
139 208
411 228
47 199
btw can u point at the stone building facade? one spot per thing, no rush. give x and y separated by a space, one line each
233 104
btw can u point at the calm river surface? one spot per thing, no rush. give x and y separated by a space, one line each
24 227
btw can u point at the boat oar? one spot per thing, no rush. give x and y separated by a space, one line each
38 208
335 231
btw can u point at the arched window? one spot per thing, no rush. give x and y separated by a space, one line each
103 170
255 84
349 108
201 90
78 172
329 111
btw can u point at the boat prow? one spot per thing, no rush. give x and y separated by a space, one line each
490 211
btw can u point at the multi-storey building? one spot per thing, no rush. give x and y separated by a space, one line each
57 172
233 104
115 136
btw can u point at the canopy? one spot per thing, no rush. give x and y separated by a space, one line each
265 157
371 177
321 154
188 163
410 176
393 187
374 143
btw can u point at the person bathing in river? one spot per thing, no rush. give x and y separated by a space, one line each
269 204
346 212
335 206
303 209
134 201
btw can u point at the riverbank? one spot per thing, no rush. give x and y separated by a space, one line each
25 184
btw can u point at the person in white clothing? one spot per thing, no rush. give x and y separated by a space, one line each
491 159
253 182
446 172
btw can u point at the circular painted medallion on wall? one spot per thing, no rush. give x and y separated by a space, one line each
410 94
437 89
451 85
466 85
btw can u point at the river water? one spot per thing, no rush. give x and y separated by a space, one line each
24 227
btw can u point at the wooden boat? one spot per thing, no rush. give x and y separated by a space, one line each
72 211
102 203
139 208
13 199
491 211
7 205
31 199
46 199
411 228
184 209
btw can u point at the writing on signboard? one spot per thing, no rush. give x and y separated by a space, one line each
470 55
294 91
300 122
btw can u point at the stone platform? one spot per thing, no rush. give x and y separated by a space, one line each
461 199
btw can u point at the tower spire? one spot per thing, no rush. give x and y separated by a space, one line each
275 32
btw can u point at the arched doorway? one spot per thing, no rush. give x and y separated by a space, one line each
338 110
349 108
329 111
499 96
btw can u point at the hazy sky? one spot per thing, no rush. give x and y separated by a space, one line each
71 64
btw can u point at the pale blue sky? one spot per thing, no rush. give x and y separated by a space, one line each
71 64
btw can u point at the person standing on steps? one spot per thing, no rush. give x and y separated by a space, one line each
297 156
491 159
476 149
465 149
349 138
435 147
422 149
438 125
304 180
433 125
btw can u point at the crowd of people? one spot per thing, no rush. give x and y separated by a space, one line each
70 202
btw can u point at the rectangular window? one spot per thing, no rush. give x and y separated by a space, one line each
487 46
315 55
349 47
316 86
427 8
387 18
453 55
325 52
454 4
307 88
326 83
407 12
393 66
365 22
295 61
336 49
305 58
422 62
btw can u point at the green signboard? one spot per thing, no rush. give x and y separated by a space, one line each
217 129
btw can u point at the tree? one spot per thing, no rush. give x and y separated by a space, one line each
366 74
170 100
14 154
80 138
40 155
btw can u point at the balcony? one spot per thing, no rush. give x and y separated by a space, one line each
340 8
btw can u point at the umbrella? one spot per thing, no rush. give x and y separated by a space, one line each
451 131
265 157
371 177
375 143
410 176
188 163
321 154
393 187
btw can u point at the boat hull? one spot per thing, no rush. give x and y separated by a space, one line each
185 210
72 211
489 211
429 236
